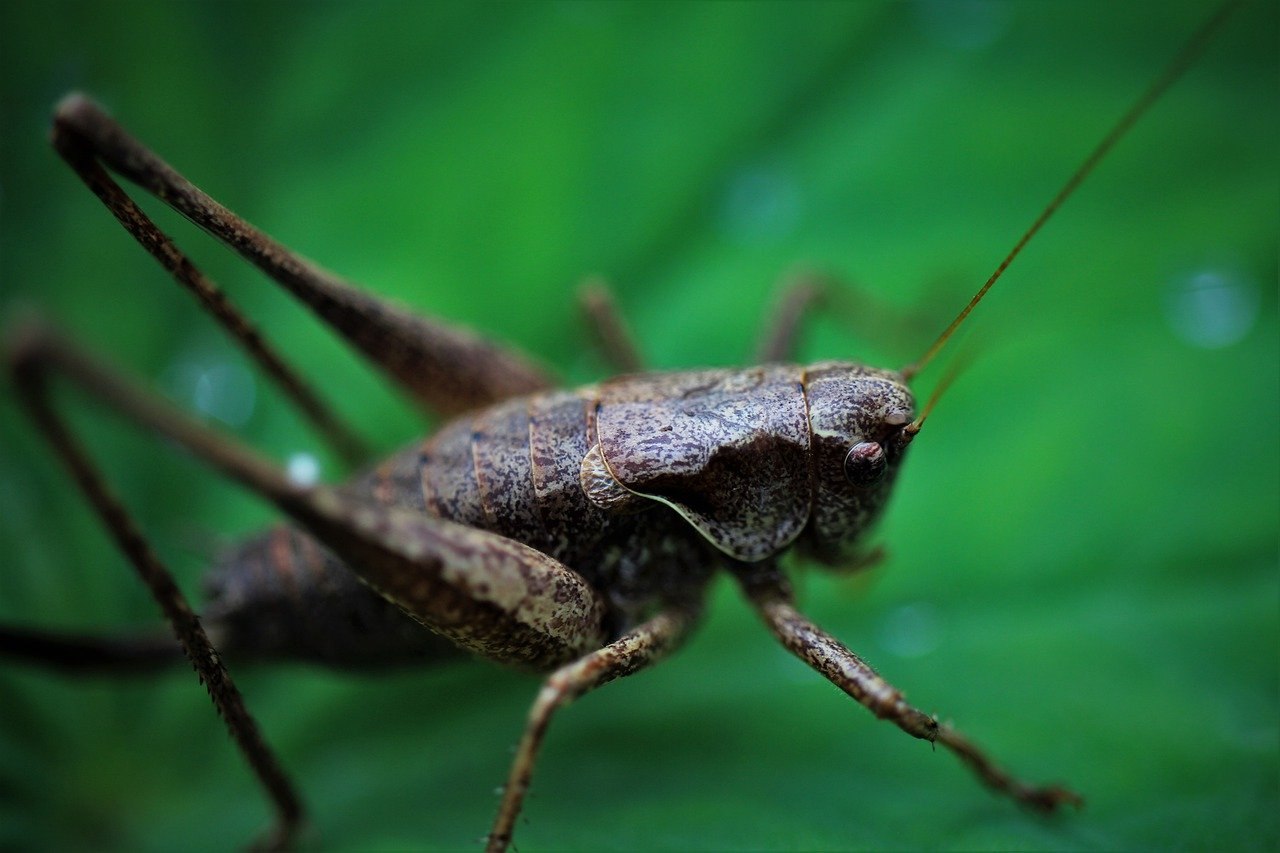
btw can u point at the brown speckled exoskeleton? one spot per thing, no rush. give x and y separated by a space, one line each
570 532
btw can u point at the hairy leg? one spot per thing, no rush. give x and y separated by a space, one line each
839 665
636 650
31 382
444 368
486 593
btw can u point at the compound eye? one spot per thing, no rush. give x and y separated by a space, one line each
865 465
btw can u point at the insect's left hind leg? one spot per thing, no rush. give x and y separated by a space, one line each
82 654
30 378
772 599
489 594
636 650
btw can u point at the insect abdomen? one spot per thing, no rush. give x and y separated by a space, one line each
281 596
514 469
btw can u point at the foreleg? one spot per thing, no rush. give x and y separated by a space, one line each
834 661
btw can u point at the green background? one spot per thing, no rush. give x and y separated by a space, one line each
1083 549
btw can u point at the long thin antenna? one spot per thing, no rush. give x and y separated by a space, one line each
957 366
1185 59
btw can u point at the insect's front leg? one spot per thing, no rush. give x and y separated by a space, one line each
636 650
770 595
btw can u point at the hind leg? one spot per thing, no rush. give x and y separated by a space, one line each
486 593
30 382
444 368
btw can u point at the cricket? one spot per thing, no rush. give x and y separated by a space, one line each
568 531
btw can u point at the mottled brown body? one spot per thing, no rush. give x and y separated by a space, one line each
643 485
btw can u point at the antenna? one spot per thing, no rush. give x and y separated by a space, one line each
1185 59
957 366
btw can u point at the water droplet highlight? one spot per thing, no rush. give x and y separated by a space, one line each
1212 307
303 469
910 631
213 381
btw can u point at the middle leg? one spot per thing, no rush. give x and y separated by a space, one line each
636 650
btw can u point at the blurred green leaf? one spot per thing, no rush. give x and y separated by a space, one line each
1083 568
